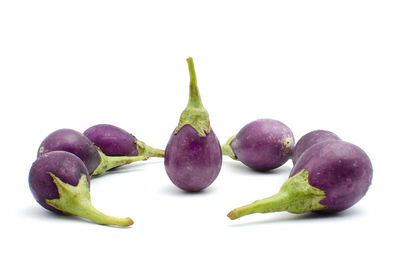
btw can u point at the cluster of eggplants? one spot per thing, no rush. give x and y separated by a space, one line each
60 177
101 147
329 175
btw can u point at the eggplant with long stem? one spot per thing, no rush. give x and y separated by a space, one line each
59 181
193 156
329 177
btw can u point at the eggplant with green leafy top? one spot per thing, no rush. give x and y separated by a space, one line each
59 181
193 156
329 177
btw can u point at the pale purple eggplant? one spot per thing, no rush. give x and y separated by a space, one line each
263 144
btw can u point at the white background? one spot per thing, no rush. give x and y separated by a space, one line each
311 64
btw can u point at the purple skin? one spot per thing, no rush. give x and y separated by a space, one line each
329 177
192 162
342 170
66 166
263 144
310 139
74 142
193 156
112 140
59 182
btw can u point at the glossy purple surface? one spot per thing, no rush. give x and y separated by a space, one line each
311 139
72 141
112 140
263 144
342 170
192 162
66 166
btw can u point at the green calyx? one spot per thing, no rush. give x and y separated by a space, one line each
194 114
75 200
109 162
227 149
147 151
295 196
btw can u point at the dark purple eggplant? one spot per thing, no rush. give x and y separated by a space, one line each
115 141
59 181
77 143
193 156
309 140
329 177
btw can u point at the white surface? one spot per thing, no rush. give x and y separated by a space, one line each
310 64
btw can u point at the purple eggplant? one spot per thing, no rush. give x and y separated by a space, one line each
310 139
193 155
59 181
329 177
115 141
75 142
263 144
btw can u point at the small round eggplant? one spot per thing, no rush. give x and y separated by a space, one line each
193 162
115 141
310 139
59 181
193 156
329 177
263 144
75 142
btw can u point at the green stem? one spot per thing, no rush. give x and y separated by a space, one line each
87 211
276 203
109 162
194 94
147 151
227 149
194 114
76 200
295 196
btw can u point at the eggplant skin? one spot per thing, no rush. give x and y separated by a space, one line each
112 140
341 169
263 144
310 139
74 142
65 165
192 162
